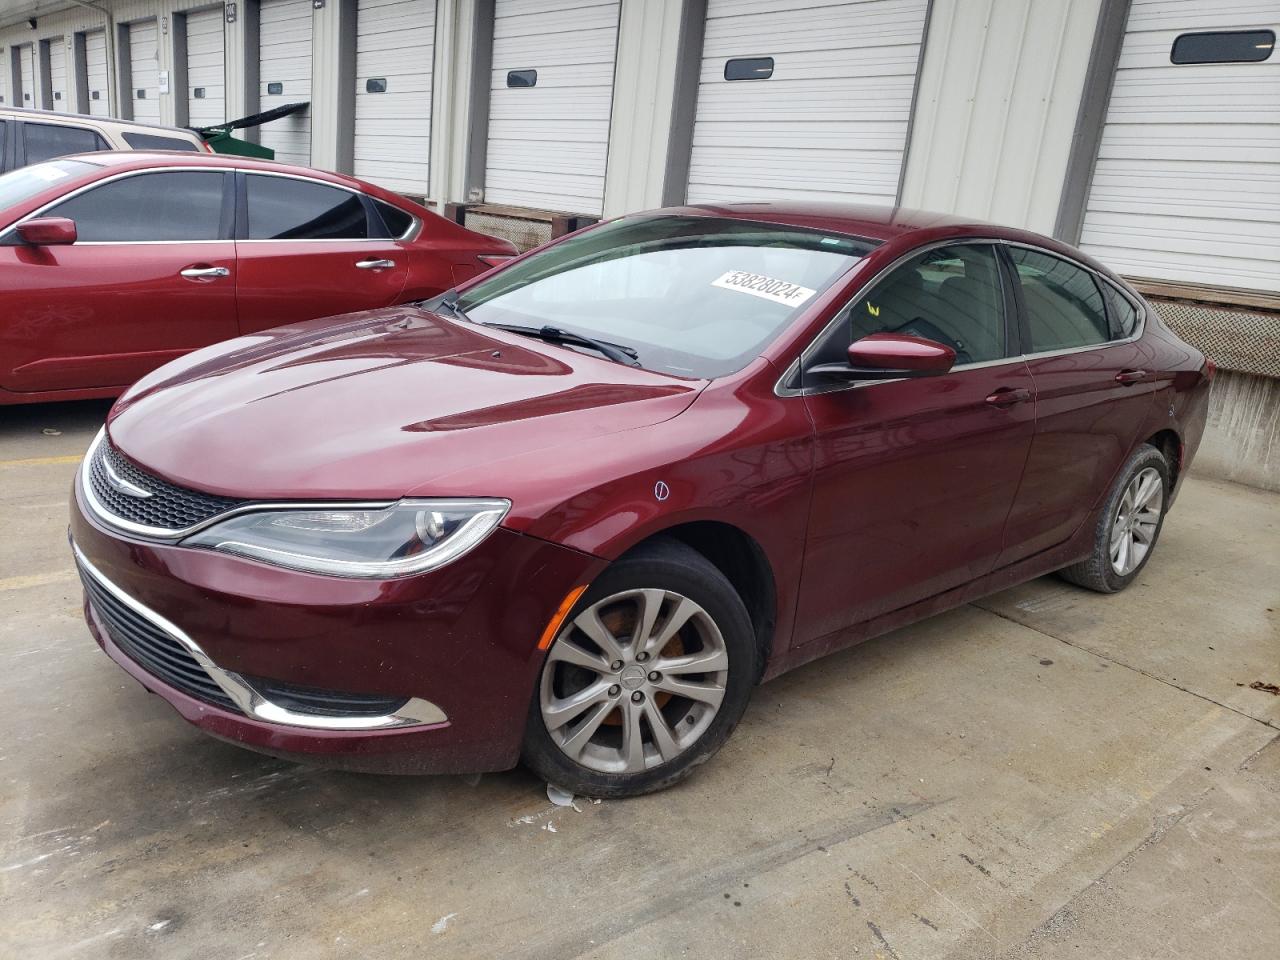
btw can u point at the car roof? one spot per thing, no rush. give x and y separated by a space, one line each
57 115
871 222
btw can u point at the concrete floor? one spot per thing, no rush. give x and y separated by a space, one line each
1048 774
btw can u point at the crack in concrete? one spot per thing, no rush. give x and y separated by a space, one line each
1127 666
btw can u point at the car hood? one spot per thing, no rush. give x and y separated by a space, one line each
380 405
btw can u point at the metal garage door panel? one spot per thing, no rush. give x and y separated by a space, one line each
831 121
95 59
1187 182
395 43
285 39
206 69
548 144
58 76
144 63
27 74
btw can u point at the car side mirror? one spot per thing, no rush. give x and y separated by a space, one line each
48 232
890 356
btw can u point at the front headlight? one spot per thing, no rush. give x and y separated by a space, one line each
412 536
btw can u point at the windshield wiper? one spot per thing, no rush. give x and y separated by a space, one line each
614 351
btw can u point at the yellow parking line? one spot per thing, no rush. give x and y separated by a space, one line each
36 580
41 461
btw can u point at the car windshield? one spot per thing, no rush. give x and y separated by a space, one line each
25 182
692 296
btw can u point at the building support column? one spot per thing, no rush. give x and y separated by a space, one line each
460 100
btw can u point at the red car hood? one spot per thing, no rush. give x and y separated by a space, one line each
376 405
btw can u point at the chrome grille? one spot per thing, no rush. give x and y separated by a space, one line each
170 507
151 648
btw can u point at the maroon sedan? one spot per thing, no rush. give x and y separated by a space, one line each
575 511
112 264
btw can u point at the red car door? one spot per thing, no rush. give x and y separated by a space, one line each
1094 390
914 478
150 277
309 249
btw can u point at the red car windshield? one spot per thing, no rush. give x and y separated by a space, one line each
692 296
25 182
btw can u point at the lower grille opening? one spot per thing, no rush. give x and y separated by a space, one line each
151 648
325 703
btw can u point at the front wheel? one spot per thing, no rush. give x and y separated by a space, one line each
646 679
1128 526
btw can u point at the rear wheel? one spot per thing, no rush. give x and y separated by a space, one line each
1128 526
646 679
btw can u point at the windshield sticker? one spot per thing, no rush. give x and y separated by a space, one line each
767 288
50 174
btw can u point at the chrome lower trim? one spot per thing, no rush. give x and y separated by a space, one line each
416 712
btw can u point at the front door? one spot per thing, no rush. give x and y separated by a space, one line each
914 478
150 277
311 249
1094 390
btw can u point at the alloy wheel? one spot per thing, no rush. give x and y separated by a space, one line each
1138 518
633 681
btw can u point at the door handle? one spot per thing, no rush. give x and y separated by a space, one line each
375 264
1128 377
1008 396
198 273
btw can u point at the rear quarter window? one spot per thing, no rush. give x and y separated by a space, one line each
154 141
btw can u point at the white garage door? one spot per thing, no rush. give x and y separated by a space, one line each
58 76
1187 183
206 77
95 68
548 142
285 76
144 66
395 44
822 108
27 74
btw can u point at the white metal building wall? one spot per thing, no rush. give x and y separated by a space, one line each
58 76
144 71
206 66
5 72
395 44
1187 182
284 32
95 65
831 121
548 144
26 75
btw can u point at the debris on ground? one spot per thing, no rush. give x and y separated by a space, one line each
1270 688
559 796
50 432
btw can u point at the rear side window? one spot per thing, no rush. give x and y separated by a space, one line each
179 205
281 208
397 221
152 141
1064 306
44 141
1124 318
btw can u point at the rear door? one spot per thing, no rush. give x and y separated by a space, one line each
1094 390
151 277
309 249
913 479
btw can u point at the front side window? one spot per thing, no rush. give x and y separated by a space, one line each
281 208
692 296
177 205
1063 304
951 295
44 141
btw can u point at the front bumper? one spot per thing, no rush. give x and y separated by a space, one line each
455 649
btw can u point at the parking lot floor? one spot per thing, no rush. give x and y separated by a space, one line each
1049 773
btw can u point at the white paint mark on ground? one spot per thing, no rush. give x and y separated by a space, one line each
159 925
441 925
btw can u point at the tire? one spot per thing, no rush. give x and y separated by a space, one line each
1102 571
694 618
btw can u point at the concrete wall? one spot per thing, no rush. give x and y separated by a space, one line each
1242 439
